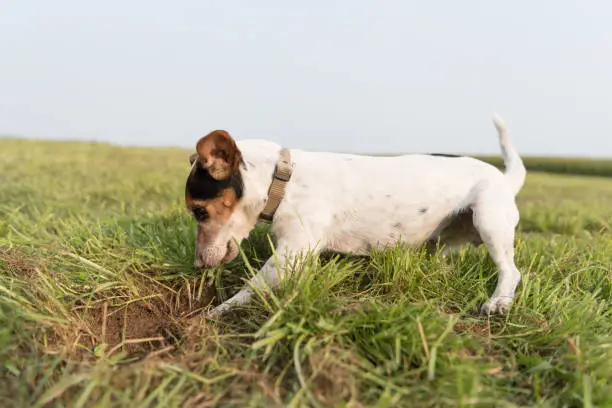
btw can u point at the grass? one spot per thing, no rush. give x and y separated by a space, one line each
557 165
100 304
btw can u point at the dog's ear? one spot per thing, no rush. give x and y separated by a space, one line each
219 154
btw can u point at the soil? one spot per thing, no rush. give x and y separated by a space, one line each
145 326
158 324
158 319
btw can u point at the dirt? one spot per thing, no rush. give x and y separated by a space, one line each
334 384
154 325
155 320
14 262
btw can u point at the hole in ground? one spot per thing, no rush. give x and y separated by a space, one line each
154 322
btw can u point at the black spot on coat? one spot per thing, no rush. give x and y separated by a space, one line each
443 155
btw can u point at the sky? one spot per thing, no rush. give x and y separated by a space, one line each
386 76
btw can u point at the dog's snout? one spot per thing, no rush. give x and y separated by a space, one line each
198 263
202 261
211 257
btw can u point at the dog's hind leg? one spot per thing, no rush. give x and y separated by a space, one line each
495 218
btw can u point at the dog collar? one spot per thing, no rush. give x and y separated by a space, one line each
280 178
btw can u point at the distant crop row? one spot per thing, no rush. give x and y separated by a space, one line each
559 165
562 165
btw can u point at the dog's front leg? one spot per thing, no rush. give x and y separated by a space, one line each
268 278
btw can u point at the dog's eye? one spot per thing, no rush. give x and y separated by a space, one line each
199 213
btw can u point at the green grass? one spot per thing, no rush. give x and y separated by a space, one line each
558 165
99 302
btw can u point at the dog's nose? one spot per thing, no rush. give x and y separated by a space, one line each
202 263
199 261
210 257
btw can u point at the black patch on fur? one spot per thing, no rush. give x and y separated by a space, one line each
397 225
443 155
201 186
422 210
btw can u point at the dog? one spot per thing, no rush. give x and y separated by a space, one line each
350 204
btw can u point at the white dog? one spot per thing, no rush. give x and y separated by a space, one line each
350 204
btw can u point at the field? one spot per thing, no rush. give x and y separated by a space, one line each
100 304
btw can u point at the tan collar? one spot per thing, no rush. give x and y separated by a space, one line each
282 175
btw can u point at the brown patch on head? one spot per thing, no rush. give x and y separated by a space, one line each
218 153
218 209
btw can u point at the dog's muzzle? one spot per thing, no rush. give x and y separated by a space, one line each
215 256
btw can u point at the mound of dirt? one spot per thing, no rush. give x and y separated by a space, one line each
140 327
154 316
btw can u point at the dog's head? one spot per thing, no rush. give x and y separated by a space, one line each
213 191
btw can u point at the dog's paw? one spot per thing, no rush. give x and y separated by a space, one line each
217 311
496 305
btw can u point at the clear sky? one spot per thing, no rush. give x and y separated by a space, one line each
350 75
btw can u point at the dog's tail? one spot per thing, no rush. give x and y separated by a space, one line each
515 169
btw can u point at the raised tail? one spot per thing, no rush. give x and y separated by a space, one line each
515 169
